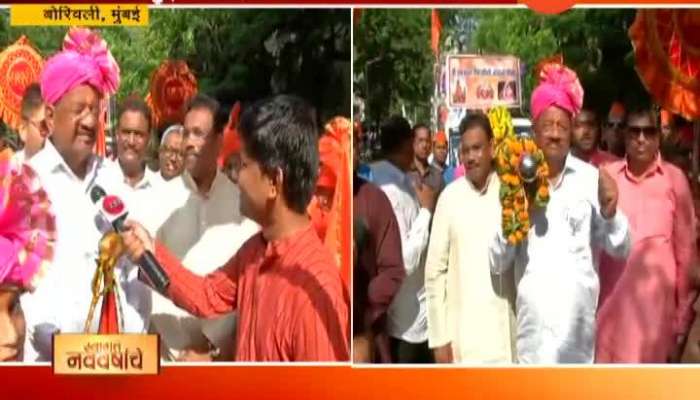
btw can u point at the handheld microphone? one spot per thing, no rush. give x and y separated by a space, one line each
113 210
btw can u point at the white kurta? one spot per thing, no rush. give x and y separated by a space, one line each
555 271
203 233
408 318
467 305
62 300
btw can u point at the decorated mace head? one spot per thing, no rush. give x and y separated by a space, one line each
111 246
528 168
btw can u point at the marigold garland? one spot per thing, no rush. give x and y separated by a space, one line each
516 194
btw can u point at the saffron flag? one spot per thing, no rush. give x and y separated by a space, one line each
435 29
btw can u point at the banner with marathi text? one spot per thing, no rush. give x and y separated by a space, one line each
480 82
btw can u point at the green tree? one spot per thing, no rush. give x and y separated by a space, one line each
235 54
393 62
593 42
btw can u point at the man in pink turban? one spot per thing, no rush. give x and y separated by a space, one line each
556 269
73 85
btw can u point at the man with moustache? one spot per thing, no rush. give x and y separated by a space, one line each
194 214
133 137
646 302
584 140
470 312
555 269
73 83
423 172
170 153
613 139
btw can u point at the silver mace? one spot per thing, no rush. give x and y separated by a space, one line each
528 166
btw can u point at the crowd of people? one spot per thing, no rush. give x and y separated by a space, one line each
606 273
227 216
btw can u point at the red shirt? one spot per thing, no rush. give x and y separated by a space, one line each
291 302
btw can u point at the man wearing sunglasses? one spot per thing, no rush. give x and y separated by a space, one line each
612 139
193 214
645 304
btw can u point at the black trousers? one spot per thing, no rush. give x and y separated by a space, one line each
410 353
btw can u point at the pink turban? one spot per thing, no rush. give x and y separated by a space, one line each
559 86
84 59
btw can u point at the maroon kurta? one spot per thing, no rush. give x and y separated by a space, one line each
379 271
291 302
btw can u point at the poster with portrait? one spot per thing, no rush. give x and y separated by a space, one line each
482 82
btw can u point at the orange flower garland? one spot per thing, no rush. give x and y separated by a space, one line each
512 155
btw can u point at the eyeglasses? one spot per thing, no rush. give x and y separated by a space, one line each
170 152
647 131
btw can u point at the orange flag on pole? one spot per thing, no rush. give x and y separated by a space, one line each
435 29
356 15
101 140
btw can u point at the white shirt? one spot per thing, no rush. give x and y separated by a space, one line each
555 270
62 301
468 307
141 196
203 233
20 157
149 180
407 317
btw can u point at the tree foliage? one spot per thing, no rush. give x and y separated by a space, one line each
393 62
593 42
235 54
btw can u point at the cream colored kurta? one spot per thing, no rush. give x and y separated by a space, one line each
203 232
467 305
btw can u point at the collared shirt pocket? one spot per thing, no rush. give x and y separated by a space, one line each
577 217
657 217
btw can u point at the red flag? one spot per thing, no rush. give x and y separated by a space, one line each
435 28
232 142
555 59
109 320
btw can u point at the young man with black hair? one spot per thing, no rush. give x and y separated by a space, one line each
413 204
283 282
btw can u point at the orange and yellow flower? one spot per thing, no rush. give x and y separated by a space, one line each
515 197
